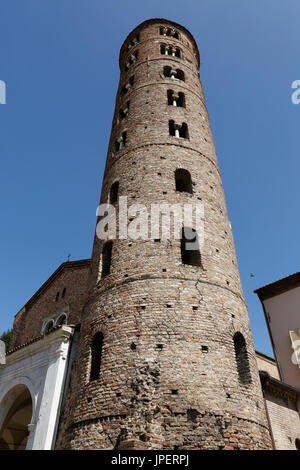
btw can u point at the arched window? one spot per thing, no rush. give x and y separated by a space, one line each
114 190
175 52
14 431
173 74
190 252
132 60
106 258
180 75
163 49
96 354
49 326
183 181
297 443
242 360
133 42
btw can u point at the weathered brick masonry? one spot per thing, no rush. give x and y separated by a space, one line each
66 289
169 377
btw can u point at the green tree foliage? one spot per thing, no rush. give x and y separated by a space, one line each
7 338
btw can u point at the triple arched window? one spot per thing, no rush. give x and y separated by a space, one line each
178 130
170 50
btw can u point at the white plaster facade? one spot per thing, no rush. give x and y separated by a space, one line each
41 367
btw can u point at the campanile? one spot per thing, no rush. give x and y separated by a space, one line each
166 357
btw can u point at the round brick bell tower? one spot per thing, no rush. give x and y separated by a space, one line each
166 357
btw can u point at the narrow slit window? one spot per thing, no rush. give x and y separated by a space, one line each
190 251
106 258
163 31
96 356
176 99
183 181
62 320
242 360
114 191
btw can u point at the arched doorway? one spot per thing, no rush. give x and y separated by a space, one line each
14 432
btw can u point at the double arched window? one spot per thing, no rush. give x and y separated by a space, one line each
120 142
96 355
163 31
106 258
176 99
114 192
242 360
183 181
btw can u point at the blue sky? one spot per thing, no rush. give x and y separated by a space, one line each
59 60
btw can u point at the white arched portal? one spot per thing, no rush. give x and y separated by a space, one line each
31 391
